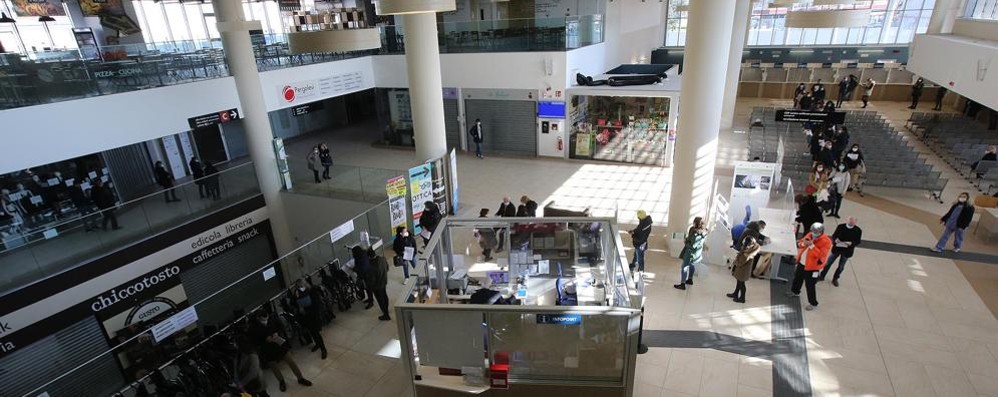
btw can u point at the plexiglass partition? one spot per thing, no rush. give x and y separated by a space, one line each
534 301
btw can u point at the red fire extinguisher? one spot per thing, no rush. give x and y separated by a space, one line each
561 144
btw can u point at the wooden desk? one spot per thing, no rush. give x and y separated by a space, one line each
989 221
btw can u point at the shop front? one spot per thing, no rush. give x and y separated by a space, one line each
623 129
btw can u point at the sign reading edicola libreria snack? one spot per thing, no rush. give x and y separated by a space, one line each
396 201
420 190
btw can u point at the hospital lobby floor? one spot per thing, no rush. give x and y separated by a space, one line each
903 322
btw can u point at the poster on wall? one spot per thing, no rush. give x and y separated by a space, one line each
102 7
440 196
420 191
38 8
583 144
752 184
396 201
454 190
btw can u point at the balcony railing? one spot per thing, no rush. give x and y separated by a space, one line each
345 181
508 35
38 78
35 249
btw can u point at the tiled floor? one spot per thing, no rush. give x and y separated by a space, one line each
899 324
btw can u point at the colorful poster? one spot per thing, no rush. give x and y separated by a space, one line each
420 191
454 191
396 201
38 8
102 7
583 144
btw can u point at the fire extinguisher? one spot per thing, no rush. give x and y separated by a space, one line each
561 144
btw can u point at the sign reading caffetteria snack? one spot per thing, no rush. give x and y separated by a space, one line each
211 119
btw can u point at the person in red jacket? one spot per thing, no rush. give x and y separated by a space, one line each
812 251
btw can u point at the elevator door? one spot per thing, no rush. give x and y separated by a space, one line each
451 124
510 127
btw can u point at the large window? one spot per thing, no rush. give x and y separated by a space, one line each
982 9
171 21
891 22
33 32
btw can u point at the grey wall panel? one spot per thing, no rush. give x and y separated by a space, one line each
33 365
234 135
215 275
510 127
131 170
451 125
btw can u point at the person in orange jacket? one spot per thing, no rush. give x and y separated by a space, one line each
812 251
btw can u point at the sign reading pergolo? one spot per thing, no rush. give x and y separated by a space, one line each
420 190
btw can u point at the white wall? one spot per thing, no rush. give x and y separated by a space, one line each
510 70
981 29
957 62
590 61
633 29
42 134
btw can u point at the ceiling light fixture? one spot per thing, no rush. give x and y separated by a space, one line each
46 18
5 19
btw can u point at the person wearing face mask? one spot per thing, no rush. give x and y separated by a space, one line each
868 91
841 142
377 280
798 94
839 182
956 220
741 267
477 137
692 252
916 92
309 302
827 155
808 212
812 251
818 180
639 237
854 165
404 241
846 238
273 348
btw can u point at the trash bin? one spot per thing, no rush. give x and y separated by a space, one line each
676 244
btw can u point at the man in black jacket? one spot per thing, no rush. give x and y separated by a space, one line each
530 206
105 202
309 301
845 239
916 92
477 137
506 208
165 179
639 237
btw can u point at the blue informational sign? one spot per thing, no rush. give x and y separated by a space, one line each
420 191
559 319
554 110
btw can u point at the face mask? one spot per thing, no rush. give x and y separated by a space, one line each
405 234
820 169
962 199
263 321
302 289
855 149
842 168
850 226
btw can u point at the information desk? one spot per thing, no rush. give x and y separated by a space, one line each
781 231
551 332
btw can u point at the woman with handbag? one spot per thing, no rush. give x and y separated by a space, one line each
741 267
692 252
817 180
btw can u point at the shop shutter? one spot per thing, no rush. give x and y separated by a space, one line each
131 171
215 275
33 365
510 126
452 126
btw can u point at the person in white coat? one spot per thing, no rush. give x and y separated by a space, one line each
838 185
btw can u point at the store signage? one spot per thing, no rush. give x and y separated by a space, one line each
309 90
583 144
396 201
420 191
341 231
559 319
810 116
454 190
211 119
175 323
307 108
548 109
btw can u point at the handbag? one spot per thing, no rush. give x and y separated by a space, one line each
810 189
397 261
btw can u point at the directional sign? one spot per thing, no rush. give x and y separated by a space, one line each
307 108
807 115
211 119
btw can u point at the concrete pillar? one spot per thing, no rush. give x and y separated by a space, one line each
739 32
422 57
944 14
708 39
234 28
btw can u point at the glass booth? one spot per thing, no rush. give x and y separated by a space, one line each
524 307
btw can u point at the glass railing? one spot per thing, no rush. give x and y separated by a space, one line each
53 76
508 35
345 181
272 52
193 353
34 250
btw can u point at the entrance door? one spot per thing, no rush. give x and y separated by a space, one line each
209 144
510 127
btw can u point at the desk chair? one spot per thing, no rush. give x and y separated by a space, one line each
565 298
